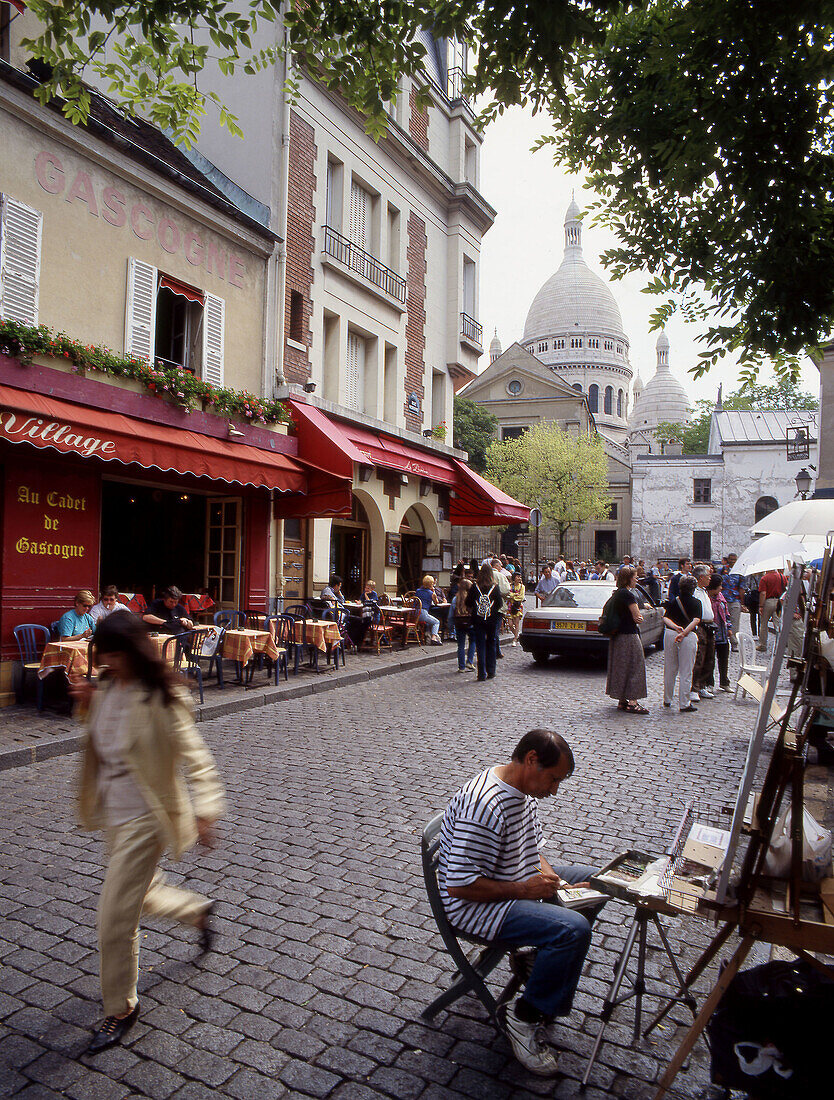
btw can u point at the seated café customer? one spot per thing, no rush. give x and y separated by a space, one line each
496 884
108 603
78 623
167 614
332 591
428 598
369 593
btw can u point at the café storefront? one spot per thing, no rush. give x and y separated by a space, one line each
94 495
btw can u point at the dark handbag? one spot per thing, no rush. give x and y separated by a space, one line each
751 599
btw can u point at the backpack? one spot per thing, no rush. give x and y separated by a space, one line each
609 620
483 608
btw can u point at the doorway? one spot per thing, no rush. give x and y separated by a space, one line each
349 547
605 545
412 552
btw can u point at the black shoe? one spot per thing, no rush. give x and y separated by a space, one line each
688 710
206 931
490 676
112 1031
500 656
667 704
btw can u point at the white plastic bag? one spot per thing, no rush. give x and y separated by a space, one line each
816 849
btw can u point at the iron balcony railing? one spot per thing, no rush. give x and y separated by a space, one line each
360 261
470 328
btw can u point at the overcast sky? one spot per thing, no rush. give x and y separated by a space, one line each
525 246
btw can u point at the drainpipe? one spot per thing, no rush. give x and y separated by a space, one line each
281 209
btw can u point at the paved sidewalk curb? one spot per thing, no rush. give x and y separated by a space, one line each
61 746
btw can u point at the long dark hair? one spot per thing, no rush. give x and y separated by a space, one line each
124 632
486 577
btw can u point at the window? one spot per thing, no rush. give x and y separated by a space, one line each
354 397
514 387
702 545
393 238
470 162
512 433
593 342
468 287
21 230
593 398
169 320
609 400
578 387
360 216
612 510
576 341
620 396
764 506
296 325
619 349
702 491
609 345
542 345
560 344
333 210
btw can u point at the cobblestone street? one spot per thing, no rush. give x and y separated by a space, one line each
327 953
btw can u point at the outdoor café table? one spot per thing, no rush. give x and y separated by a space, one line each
396 618
319 632
70 655
242 645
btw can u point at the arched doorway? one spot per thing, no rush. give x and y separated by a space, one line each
350 549
413 543
764 506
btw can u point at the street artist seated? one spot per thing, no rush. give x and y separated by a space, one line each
496 885
167 613
78 623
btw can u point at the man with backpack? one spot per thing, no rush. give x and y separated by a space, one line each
485 601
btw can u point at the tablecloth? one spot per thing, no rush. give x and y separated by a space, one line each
69 655
320 633
241 645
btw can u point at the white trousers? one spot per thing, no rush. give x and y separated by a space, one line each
678 663
735 618
134 885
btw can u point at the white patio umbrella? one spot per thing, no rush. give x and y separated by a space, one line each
775 551
803 519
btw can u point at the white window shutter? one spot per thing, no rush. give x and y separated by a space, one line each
21 230
213 339
359 215
140 313
355 372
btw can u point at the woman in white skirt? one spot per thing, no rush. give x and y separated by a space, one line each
680 644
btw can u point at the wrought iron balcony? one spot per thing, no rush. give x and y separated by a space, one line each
360 261
470 328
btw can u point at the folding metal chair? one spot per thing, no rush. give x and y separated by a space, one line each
471 973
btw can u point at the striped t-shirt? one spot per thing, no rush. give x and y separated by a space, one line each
490 830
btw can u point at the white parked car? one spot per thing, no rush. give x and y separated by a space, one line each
567 621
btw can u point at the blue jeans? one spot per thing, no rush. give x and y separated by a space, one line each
430 621
450 621
485 631
464 635
562 937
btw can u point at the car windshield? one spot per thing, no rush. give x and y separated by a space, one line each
575 595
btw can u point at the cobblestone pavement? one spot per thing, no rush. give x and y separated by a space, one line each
326 952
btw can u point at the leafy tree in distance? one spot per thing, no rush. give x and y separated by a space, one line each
565 475
705 126
474 431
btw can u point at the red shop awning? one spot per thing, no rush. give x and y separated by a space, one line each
51 424
182 289
335 445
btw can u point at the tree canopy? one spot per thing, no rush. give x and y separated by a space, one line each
563 474
474 431
704 126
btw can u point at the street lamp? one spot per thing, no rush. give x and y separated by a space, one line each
803 483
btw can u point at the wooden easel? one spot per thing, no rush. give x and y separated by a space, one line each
750 914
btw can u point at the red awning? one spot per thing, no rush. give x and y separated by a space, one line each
51 424
478 502
335 445
182 289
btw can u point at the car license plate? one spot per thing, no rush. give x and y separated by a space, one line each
559 624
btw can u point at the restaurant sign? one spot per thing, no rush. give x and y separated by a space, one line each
21 428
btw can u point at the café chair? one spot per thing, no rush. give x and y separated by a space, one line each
32 639
300 611
232 620
378 632
195 646
282 633
53 630
473 967
413 629
340 618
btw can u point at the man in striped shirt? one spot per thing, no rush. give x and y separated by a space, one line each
493 880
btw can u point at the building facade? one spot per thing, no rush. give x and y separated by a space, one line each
703 506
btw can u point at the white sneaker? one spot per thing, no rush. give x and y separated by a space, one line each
705 693
513 644
470 667
528 1044
694 696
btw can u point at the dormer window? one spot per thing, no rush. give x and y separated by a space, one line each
542 345
560 344
576 341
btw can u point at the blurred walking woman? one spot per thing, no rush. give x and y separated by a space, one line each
626 661
140 732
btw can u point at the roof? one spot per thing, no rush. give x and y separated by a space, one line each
140 141
764 426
